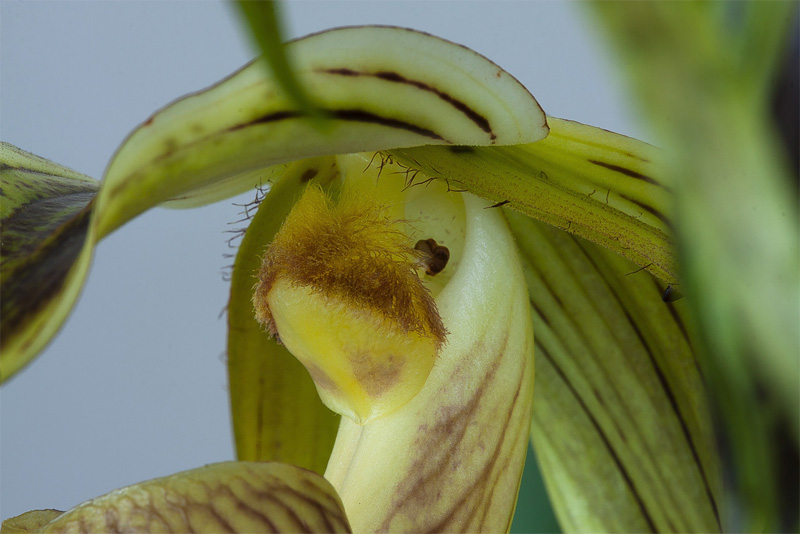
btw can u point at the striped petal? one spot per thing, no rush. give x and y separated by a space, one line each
226 497
605 187
44 253
415 89
621 424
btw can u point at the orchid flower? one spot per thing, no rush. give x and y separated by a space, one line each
404 252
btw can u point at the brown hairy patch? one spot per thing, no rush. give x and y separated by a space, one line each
354 252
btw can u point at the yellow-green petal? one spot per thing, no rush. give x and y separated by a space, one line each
28 522
225 497
45 224
415 89
277 414
602 186
621 424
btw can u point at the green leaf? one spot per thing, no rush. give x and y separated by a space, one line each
605 187
621 425
46 212
277 413
224 497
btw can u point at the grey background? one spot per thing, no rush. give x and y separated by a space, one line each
134 385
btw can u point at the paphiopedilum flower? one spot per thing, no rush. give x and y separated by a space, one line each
623 398
442 368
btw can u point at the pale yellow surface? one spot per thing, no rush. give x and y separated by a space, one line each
363 365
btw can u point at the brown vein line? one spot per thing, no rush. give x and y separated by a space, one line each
543 352
358 115
29 225
433 471
261 495
502 469
665 386
627 172
629 482
684 429
354 115
674 406
300 520
82 527
176 508
190 529
242 506
111 516
211 492
278 486
462 416
5 167
226 527
394 77
152 508
351 115
514 439
489 467
569 264
650 209
326 500
322 512
53 180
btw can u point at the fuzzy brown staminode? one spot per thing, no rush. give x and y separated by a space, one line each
351 251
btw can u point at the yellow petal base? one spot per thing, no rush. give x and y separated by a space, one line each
362 364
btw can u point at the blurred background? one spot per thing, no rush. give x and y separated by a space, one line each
134 385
